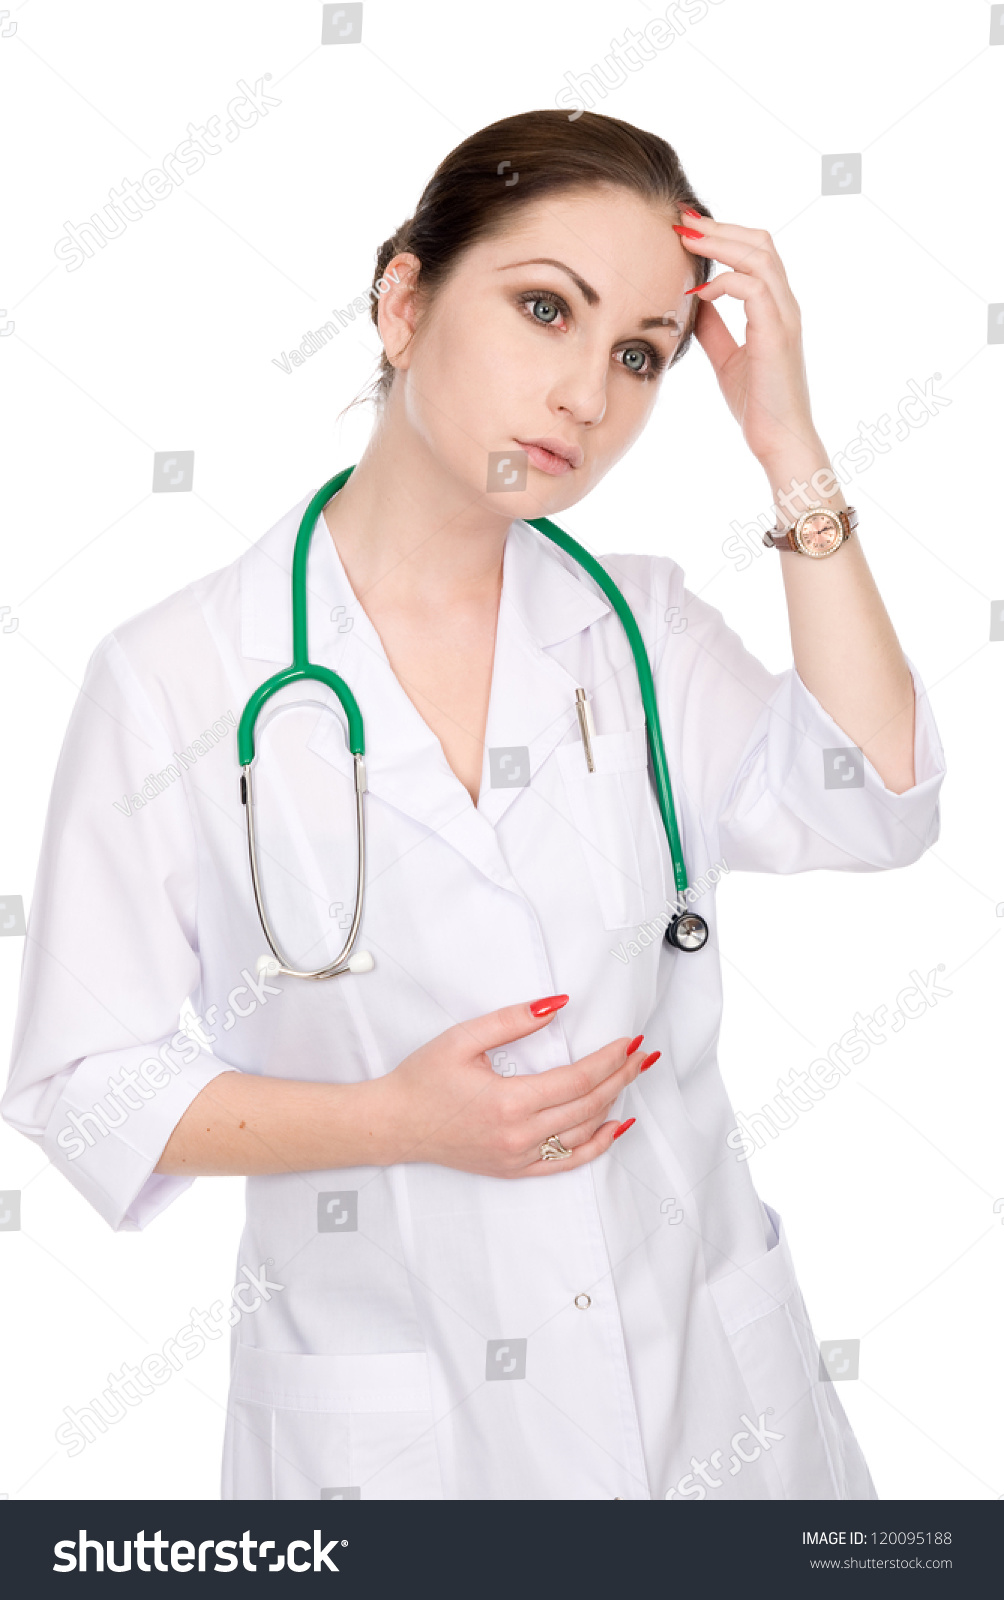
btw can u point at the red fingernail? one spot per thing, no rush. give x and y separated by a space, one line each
632 1047
687 233
687 211
649 1059
551 1002
694 289
624 1127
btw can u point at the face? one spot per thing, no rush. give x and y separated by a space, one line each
556 331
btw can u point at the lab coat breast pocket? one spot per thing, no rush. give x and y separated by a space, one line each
800 1436
312 1427
614 813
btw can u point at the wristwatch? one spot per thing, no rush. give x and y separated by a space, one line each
819 531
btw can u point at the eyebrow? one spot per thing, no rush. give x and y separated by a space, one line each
589 294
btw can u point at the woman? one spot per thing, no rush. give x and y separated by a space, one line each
448 1305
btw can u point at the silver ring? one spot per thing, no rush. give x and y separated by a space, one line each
552 1149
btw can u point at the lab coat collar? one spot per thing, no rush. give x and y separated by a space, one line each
545 600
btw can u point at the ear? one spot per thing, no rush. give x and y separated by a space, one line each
397 308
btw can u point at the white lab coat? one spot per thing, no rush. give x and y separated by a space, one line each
427 1340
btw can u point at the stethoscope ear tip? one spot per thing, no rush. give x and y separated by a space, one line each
267 964
361 961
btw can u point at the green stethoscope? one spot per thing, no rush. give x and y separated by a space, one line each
686 930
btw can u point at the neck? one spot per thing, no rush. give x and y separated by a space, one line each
410 531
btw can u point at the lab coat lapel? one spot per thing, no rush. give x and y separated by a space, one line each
532 702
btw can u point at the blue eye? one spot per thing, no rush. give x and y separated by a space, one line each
642 361
545 308
552 307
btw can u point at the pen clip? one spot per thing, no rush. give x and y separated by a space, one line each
586 727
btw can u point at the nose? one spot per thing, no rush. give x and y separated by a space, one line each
581 389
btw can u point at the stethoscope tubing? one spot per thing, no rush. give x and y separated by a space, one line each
340 963
688 922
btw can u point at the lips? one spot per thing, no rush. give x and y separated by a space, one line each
552 455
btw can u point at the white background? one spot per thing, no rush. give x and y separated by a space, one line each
165 341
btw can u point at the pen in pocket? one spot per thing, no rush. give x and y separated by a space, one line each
585 715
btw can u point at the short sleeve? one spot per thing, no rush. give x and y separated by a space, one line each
100 1071
776 783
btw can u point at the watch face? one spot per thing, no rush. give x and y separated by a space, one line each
820 534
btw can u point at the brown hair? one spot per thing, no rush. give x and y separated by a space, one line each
473 193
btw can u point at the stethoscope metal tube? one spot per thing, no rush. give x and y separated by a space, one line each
343 962
686 931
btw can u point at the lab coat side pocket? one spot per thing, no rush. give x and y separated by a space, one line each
612 811
794 1413
309 1427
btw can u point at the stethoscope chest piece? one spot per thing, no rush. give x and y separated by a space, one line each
687 931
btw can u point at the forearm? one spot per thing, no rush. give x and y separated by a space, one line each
843 642
244 1124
